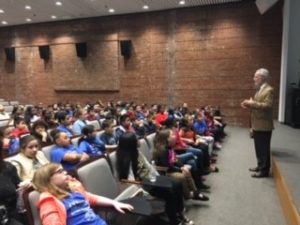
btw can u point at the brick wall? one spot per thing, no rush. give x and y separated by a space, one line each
204 55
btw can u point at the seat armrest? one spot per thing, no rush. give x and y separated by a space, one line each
130 182
161 168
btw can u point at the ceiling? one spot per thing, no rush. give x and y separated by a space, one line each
13 12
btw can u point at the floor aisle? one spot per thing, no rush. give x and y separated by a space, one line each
236 198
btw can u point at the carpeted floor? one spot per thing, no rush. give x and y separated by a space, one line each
236 198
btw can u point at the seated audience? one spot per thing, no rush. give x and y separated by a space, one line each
65 153
18 111
201 129
150 124
161 116
139 114
9 184
189 137
63 199
29 159
90 143
214 126
69 108
39 131
11 144
165 156
49 118
184 109
64 121
185 152
91 115
20 128
79 122
30 115
125 126
139 128
132 165
107 137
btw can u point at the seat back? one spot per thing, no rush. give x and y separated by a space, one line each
150 139
4 103
4 123
9 108
95 123
98 179
75 140
145 148
31 198
112 159
99 133
47 150
14 103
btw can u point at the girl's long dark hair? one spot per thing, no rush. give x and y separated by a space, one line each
127 154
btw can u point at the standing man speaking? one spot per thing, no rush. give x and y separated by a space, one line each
261 121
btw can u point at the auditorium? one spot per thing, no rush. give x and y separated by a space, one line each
142 112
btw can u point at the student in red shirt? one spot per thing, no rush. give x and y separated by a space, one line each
20 128
161 116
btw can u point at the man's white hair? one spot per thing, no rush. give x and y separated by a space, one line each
263 72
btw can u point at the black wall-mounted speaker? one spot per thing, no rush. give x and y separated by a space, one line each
44 52
264 5
81 49
126 48
10 54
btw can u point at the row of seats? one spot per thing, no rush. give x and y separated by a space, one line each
46 150
93 181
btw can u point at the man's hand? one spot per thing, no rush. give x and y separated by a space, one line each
247 103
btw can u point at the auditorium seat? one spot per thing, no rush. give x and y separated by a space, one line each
4 123
4 103
103 182
9 108
47 150
95 123
75 140
14 103
31 198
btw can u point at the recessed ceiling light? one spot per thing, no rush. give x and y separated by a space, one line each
1 11
28 7
182 2
58 3
145 7
53 17
28 20
111 10
4 22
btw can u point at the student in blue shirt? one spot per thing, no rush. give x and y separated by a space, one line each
90 143
79 123
107 137
64 121
63 199
65 153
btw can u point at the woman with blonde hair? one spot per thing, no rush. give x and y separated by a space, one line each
64 201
